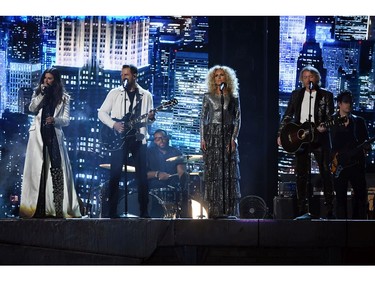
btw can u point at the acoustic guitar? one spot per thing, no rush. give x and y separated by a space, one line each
293 135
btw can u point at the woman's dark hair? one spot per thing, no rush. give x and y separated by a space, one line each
57 88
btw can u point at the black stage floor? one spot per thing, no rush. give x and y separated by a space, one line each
134 241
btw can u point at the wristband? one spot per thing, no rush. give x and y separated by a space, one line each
157 174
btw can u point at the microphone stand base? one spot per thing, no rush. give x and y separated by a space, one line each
124 215
224 217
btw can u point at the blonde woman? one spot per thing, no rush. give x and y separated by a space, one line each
219 128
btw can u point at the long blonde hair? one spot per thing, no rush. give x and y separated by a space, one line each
231 80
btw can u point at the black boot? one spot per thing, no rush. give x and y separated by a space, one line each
58 191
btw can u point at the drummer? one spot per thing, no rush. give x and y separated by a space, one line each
166 175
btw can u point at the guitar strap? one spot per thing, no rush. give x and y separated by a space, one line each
138 107
354 118
131 96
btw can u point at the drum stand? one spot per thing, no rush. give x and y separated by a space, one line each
177 200
200 174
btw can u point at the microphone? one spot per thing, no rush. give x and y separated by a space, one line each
311 85
222 86
44 88
125 83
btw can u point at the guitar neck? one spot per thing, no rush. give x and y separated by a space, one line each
138 119
164 105
333 122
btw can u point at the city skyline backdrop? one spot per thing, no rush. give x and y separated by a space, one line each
173 59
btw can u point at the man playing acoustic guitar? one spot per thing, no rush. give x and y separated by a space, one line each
312 104
349 146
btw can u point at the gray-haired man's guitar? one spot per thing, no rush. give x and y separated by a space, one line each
293 135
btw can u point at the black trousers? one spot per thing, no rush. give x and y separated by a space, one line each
356 175
303 165
138 152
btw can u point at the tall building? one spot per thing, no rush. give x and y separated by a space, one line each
24 39
311 53
191 70
106 42
22 62
21 75
341 59
349 28
292 36
48 33
3 81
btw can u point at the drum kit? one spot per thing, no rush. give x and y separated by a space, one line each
164 202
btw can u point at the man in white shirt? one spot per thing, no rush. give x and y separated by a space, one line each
127 112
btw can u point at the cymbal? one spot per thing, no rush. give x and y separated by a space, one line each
185 158
130 169
199 173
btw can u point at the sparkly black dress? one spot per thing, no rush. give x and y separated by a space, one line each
221 203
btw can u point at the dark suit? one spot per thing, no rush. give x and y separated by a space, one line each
323 109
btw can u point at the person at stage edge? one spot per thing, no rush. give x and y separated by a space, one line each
48 182
220 123
167 179
349 149
128 102
322 107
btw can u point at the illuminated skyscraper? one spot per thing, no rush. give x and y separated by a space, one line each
48 30
106 42
349 28
341 59
23 44
24 39
21 75
191 71
3 81
292 36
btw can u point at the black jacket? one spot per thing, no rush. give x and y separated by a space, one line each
323 110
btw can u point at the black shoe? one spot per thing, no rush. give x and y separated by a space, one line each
329 216
219 217
114 216
307 216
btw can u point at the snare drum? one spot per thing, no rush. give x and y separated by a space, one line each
166 194
155 206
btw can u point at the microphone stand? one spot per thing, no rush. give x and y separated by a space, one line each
125 214
201 215
309 186
223 145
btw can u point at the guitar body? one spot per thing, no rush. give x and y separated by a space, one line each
341 161
113 140
293 136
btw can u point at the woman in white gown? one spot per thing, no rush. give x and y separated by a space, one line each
48 183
